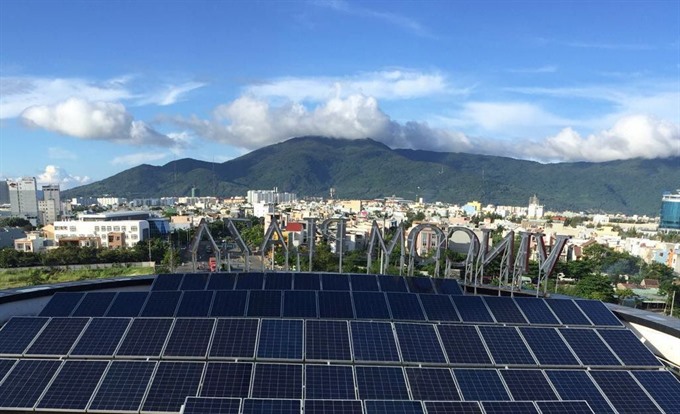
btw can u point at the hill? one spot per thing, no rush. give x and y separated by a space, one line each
310 166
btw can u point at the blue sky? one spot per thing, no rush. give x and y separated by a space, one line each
91 88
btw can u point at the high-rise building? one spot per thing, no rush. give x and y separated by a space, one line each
4 192
23 199
670 212
535 209
50 205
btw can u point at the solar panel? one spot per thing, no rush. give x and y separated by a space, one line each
506 346
567 311
381 382
447 286
94 304
392 283
195 303
463 345
277 381
127 304
18 333
161 304
194 281
439 308
624 392
255 406
472 309
299 304
629 348
370 305
229 303
598 313
172 383
329 382
101 337
189 338
363 283
308 281
264 303
420 284
548 346
234 338
588 347
201 405
221 281
504 309
564 407
123 386
480 384
390 407
327 341
145 338
405 306
332 281
663 387
280 339
335 305
536 311
419 343
528 384
62 304
26 382
167 281
72 388
373 341
509 407
577 385
333 407
432 384
278 281
226 380
452 407
58 336
5 366
249 281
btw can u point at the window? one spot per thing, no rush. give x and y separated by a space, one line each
123 228
96 228
116 228
133 228
72 228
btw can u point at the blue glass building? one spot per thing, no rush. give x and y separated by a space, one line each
670 212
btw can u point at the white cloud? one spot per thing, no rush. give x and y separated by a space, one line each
139 158
170 94
53 174
505 118
56 153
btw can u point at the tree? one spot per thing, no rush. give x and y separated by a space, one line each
597 286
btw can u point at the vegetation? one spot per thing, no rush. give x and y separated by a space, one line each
12 278
16 222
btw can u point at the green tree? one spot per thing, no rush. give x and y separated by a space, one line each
596 286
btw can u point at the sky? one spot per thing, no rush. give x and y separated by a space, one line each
92 88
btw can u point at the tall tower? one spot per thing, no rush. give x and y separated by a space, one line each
535 209
4 192
670 212
50 205
23 199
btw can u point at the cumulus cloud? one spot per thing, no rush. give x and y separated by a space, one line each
139 158
53 174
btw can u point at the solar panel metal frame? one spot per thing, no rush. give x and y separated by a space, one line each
195 303
249 281
624 392
26 390
419 343
327 341
73 392
29 327
333 406
628 348
589 348
221 281
372 380
420 284
189 339
447 286
367 342
227 379
262 374
393 406
452 407
123 387
531 383
162 396
536 311
6 365
564 407
364 283
504 310
472 309
194 281
103 334
229 303
438 307
371 305
388 283
598 313
432 384
211 405
335 281
161 304
335 305
405 306
329 382
278 406
468 339
265 304
140 334
57 337
281 340
509 407
64 303
94 304
300 304
662 386
278 281
125 304
577 384
226 337
167 281
498 338
307 281
548 346
477 388
567 312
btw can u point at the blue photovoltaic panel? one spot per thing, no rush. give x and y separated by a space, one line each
363 283
509 407
548 346
199 405
264 303
598 313
18 333
160 304
370 305
277 381
278 281
127 304
189 338
5 366
589 347
577 385
280 339
234 338
172 383
255 406
447 286
432 384
229 303
624 392
250 281
72 388
405 306
373 341
307 281
663 387
329 382
101 337
221 281
453 407
480 384
392 283
564 407
145 338
26 382
439 308
58 336
195 303
504 309
567 311
299 304
333 407
463 345
331 281
536 311
62 304
390 407
94 304
123 386
167 281
506 346
528 385
226 380
419 343
327 341
472 309
194 281
381 382
419 284
628 347
335 305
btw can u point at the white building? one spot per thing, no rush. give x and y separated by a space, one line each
270 196
535 210
4 192
23 198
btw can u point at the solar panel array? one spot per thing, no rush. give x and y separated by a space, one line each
325 343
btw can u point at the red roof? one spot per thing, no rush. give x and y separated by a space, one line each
294 227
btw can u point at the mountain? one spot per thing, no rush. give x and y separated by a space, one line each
310 166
